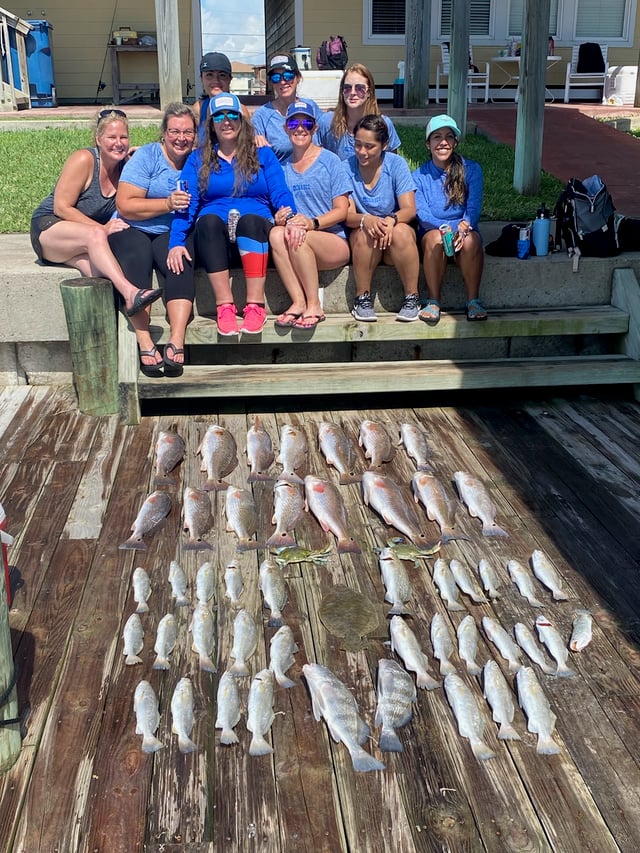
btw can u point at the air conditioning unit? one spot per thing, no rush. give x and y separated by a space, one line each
620 85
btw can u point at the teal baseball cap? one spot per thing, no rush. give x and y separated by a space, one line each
443 120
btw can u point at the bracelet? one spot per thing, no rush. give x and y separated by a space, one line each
316 223
289 216
362 222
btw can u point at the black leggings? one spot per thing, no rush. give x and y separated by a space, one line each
216 253
139 253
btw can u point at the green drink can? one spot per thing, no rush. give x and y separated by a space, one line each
447 240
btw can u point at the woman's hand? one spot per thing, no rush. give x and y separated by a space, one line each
464 228
295 232
379 230
280 216
175 259
178 200
114 225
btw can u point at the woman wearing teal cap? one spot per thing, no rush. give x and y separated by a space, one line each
449 194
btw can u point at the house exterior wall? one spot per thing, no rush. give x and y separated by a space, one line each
280 30
80 40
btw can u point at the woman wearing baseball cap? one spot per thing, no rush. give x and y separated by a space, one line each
215 76
269 119
449 194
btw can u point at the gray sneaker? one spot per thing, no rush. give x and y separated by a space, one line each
409 309
363 308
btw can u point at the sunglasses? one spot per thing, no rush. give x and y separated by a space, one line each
295 123
278 77
107 113
360 89
231 115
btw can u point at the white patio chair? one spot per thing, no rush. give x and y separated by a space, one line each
588 79
476 79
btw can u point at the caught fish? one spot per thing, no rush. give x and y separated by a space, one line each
219 454
326 503
242 517
440 507
245 642
415 443
498 695
540 718
202 628
466 582
282 649
170 449
442 644
295 554
395 579
205 583
272 584
155 509
377 443
260 714
288 510
547 575
384 495
339 451
475 495
503 642
294 450
468 639
523 580
489 579
446 584
334 702
555 645
196 510
468 716
228 705
527 643
133 636
405 550
259 452
349 614
581 633
178 581
182 715
141 589
405 644
396 695
166 636
233 583
145 707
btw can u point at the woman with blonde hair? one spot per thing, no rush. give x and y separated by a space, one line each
357 99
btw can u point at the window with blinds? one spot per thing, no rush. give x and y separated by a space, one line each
600 19
516 17
387 17
480 15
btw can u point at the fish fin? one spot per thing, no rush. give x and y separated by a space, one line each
563 671
165 480
130 660
150 743
161 663
507 732
481 751
492 529
348 546
275 621
283 681
228 736
197 545
559 595
363 762
133 544
351 477
426 681
248 545
389 741
186 745
451 533
454 605
239 668
182 601
259 746
259 477
142 607
514 665
547 746
424 466
473 668
215 486
291 477
280 540
446 667
207 665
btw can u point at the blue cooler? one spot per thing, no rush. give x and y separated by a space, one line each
42 84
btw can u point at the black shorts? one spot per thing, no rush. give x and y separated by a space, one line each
38 225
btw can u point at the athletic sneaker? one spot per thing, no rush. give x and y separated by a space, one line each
227 319
409 309
363 308
254 319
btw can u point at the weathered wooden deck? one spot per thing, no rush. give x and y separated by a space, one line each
565 476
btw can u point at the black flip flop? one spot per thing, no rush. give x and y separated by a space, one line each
141 301
150 369
172 367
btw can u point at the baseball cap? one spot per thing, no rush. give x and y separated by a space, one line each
223 102
438 122
283 62
301 108
215 62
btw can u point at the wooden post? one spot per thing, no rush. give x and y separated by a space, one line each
91 323
168 37
457 91
10 739
417 41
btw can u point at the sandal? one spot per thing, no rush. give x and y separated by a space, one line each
431 312
284 323
309 321
150 369
142 299
171 366
475 310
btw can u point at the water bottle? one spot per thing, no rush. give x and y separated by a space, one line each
447 240
524 242
540 231
232 222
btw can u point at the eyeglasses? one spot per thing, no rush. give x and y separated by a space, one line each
360 89
107 113
287 76
294 123
174 133
230 116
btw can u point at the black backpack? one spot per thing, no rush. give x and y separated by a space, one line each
590 59
332 54
585 219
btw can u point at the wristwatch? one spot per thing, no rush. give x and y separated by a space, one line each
316 223
394 216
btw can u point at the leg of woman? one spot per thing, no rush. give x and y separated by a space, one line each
434 263
365 258
179 294
252 235
293 286
212 252
321 250
470 259
403 255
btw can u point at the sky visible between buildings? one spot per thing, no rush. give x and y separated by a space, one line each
240 36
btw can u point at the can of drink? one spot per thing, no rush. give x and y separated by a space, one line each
232 222
182 186
447 240
524 243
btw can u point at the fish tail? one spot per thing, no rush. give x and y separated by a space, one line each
425 466
454 605
207 665
182 601
451 533
150 743
212 485
259 477
426 681
280 539
164 480
351 477
389 741
397 609
548 670
161 663
291 477
507 732
348 546
239 667
228 736
363 762
186 745
275 621
197 545
283 681
559 595
490 528
473 668
547 745
259 746
133 543
563 671
130 660
248 545
514 665
481 751
446 667
142 607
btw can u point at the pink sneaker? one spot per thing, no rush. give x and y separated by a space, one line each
254 319
227 319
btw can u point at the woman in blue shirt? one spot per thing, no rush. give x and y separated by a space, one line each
449 193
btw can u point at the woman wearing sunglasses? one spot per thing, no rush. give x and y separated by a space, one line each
268 120
382 208
72 225
314 238
148 194
357 99
229 172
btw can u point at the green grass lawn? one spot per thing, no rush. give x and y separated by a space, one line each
31 160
